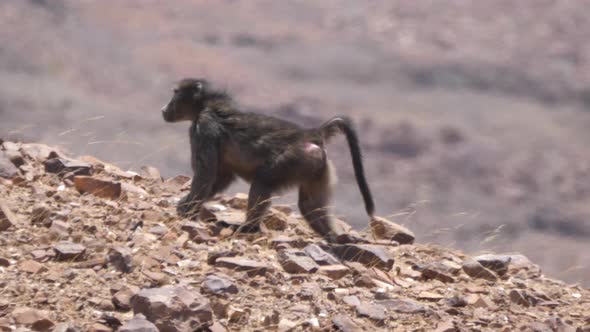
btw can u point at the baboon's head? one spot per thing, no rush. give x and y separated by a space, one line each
188 100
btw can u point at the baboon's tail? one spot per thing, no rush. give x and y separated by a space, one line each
344 125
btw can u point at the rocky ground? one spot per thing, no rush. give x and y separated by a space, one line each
86 246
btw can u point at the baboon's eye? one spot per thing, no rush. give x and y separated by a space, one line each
175 90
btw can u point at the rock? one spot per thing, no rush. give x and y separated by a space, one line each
98 327
39 151
66 327
446 326
60 228
100 188
239 201
7 169
122 298
65 251
214 284
275 220
150 173
120 258
4 262
435 271
217 327
345 324
138 324
67 167
475 270
388 230
373 311
403 306
519 262
252 268
7 218
31 266
319 255
351 300
158 277
41 215
197 231
282 241
286 325
38 320
335 271
368 255
520 297
173 308
497 263
294 261
214 255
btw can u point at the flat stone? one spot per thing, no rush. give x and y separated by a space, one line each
197 231
122 298
31 266
215 284
319 255
388 230
251 267
7 169
373 311
497 263
38 320
60 227
41 215
99 188
239 201
366 254
69 167
66 327
138 324
4 262
7 218
520 297
294 261
475 270
39 151
345 324
275 220
335 271
150 173
403 306
66 250
98 327
435 271
120 257
281 240
173 308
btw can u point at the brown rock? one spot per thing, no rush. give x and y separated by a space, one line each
239 201
4 262
158 277
475 270
138 324
67 167
403 306
335 272
66 250
173 308
388 230
122 298
252 268
435 271
38 320
319 255
100 188
39 151
368 255
275 220
345 324
7 218
120 258
66 327
197 231
41 215
283 241
61 228
519 297
446 326
98 327
351 300
7 169
373 311
31 266
497 263
294 261
150 173
215 284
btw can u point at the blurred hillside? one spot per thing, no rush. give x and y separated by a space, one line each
473 115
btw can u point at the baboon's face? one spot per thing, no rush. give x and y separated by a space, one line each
187 101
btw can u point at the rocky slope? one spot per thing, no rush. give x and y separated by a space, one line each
86 246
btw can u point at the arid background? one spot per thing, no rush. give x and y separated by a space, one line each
473 114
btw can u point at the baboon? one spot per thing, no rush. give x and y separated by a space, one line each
269 153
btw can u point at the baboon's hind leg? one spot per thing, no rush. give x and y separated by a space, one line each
314 197
258 203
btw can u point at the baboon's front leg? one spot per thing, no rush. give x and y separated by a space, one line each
258 204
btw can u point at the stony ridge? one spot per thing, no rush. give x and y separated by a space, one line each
86 246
